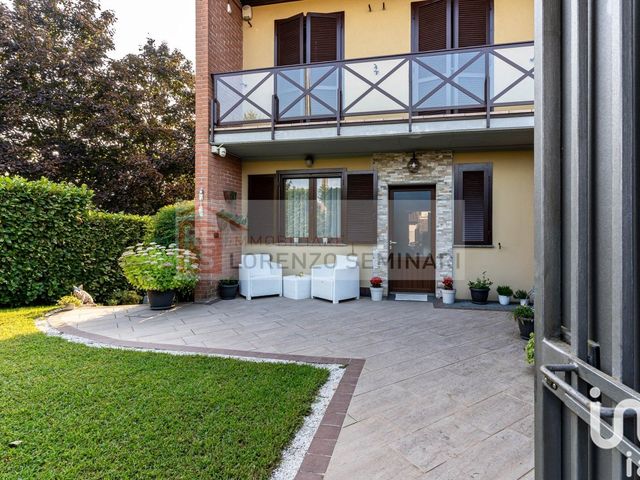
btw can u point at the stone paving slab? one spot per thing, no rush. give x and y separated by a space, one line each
443 394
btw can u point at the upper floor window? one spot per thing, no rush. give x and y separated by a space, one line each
316 37
442 24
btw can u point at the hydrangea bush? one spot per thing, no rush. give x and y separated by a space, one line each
159 268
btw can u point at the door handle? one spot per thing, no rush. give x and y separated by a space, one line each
391 242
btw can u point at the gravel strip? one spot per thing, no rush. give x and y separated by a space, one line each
293 455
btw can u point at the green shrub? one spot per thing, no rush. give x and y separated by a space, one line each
108 235
505 290
160 268
520 295
69 300
529 349
51 239
481 283
174 224
125 297
523 311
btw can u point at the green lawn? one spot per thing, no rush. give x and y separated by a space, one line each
99 413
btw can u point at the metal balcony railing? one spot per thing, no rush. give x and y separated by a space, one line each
480 80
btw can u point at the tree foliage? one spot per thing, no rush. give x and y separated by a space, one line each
123 127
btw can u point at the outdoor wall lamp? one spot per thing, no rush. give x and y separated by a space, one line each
247 14
413 165
308 160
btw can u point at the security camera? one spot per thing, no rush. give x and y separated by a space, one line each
219 150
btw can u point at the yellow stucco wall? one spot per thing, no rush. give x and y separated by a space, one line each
512 223
513 215
380 32
296 259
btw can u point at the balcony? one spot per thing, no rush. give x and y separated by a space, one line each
446 99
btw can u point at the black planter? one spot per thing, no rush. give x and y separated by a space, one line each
161 300
228 292
479 295
526 327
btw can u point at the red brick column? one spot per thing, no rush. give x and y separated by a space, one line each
218 49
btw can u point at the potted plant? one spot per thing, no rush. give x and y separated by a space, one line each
480 289
376 288
523 296
228 288
69 302
447 291
530 349
524 316
504 294
160 271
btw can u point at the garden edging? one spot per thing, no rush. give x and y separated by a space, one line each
309 453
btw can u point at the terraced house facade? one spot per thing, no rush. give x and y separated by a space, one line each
399 131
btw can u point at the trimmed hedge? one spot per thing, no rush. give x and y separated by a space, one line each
51 239
174 224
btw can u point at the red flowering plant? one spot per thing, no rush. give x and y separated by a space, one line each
447 283
376 282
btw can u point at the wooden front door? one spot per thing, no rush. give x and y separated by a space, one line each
412 239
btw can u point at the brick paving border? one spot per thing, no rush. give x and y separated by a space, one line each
316 460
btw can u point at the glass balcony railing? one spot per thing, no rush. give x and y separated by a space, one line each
480 80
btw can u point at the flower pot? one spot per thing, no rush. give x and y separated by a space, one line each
161 300
504 299
526 327
448 296
524 302
376 293
479 295
228 292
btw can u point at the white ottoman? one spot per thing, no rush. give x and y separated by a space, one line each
296 287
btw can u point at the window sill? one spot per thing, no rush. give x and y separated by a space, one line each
474 246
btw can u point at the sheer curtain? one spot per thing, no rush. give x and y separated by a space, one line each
329 192
296 207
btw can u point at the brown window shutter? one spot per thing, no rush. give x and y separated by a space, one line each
362 213
473 209
431 25
472 23
261 208
324 37
289 41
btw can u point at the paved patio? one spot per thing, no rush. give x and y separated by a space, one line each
444 394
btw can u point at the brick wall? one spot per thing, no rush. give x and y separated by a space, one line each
218 49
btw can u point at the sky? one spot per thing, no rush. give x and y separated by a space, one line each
172 21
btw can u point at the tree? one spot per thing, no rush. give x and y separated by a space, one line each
67 112
149 119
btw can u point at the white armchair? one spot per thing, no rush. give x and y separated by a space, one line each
338 281
259 276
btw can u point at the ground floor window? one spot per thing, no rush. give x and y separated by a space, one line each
312 207
473 204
